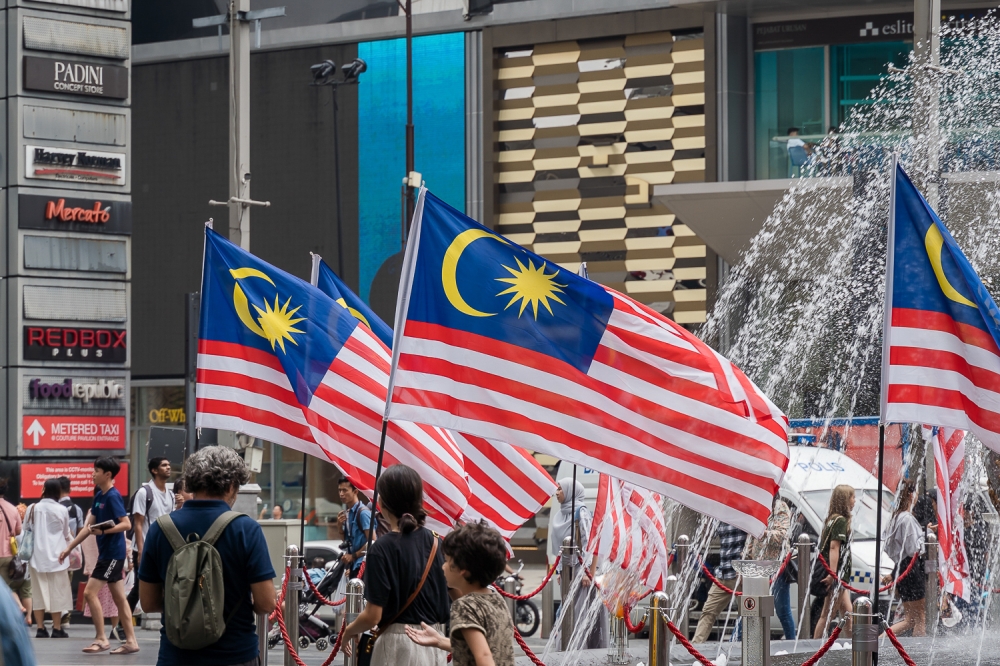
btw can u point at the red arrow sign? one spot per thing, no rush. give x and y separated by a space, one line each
73 432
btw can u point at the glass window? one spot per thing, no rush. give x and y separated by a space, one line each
855 69
789 92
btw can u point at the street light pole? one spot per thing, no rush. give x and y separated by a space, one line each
410 198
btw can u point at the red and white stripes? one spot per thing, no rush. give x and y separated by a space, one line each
949 465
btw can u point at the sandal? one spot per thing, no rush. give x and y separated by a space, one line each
125 649
96 647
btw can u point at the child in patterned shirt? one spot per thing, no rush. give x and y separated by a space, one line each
482 633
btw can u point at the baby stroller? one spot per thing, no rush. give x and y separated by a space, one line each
311 628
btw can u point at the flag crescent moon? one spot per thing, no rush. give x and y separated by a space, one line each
240 301
934 242
449 267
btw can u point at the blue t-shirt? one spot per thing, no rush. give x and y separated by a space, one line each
109 506
245 561
356 527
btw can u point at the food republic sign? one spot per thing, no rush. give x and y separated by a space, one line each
68 389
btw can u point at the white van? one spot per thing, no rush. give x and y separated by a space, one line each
812 475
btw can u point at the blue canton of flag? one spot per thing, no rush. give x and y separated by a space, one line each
940 359
331 285
498 342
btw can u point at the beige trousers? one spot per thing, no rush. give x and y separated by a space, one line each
717 603
394 648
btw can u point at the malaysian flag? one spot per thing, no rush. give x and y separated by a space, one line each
507 484
949 465
940 359
495 341
280 360
628 531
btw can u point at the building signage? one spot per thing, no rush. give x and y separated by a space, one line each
73 432
106 5
102 389
54 213
82 166
83 345
847 29
80 474
75 77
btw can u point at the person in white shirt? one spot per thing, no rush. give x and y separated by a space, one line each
51 591
151 501
904 542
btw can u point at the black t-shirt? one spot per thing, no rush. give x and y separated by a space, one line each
395 564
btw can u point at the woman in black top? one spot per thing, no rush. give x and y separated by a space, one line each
395 564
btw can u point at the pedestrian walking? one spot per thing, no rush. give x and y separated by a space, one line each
10 528
356 524
835 547
575 519
108 521
482 632
732 540
904 541
22 587
773 545
76 515
404 581
152 500
213 475
49 521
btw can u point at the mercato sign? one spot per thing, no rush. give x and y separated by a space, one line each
83 345
72 214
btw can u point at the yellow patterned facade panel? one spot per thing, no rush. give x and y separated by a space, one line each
583 130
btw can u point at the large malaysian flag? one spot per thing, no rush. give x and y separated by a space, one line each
495 341
940 359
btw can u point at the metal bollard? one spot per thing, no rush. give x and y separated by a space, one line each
548 609
566 614
510 587
291 611
261 619
355 604
683 548
756 609
933 597
618 641
864 639
659 634
804 558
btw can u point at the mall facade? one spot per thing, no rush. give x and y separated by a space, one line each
649 141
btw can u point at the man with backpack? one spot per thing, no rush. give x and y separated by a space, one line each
108 521
76 517
356 524
212 560
149 502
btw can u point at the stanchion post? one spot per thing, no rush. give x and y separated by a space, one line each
618 641
566 614
293 561
932 598
864 639
262 637
510 587
756 609
804 558
354 605
548 609
659 634
683 549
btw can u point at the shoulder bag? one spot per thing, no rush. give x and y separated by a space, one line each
366 642
817 587
26 547
17 569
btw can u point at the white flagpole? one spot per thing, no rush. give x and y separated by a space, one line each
887 314
314 274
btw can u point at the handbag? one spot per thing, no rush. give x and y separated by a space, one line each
76 559
366 642
16 569
26 546
816 586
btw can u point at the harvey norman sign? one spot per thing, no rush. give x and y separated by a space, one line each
83 166
75 77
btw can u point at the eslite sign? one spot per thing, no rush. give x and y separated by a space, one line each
84 166
66 389
72 214
73 432
82 345
75 77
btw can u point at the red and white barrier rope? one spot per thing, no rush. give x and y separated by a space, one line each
527 650
319 597
524 597
895 642
884 588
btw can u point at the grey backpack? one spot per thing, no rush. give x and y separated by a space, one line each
194 591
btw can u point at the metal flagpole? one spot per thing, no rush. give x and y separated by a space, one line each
302 524
582 272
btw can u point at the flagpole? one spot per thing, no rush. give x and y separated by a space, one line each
884 389
402 305
582 272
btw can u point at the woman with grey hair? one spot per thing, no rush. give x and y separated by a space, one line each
214 475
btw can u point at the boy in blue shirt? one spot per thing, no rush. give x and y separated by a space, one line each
108 506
